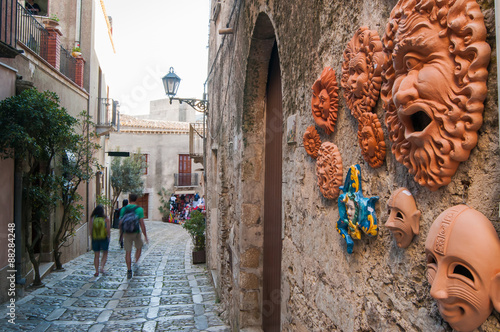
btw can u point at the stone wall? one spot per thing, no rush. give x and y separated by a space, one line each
380 286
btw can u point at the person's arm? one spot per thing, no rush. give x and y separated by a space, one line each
108 227
143 229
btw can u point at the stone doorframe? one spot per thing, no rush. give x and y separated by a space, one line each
251 230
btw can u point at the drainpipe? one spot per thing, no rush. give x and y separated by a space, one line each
18 206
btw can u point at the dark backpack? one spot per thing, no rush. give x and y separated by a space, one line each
130 221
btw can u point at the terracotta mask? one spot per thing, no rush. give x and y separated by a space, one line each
434 85
463 267
361 71
312 142
325 100
371 139
329 170
404 218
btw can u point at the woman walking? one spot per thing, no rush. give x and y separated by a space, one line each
99 231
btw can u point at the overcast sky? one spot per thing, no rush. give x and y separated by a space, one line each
150 36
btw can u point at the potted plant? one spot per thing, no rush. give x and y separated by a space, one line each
195 226
51 22
76 52
165 204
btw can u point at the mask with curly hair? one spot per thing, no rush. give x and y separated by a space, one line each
361 71
434 85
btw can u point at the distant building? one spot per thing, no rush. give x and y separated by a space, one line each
165 146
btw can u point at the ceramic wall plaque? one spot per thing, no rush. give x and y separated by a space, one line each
357 213
325 100
434 85
463 267
361 71
371 139
312 142
329 170
404 217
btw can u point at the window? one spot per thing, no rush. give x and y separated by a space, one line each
145 160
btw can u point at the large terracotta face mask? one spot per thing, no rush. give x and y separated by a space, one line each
463 267
404 218
434 85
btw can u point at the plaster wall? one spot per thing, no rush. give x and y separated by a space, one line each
379 287
161 109
163 161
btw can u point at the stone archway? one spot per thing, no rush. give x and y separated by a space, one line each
260 230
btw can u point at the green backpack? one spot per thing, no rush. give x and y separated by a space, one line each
99 229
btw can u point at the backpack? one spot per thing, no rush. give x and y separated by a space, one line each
130 221
99 229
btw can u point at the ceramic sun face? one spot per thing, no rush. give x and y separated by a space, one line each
329 170
463 267
325 100
312 142
371 140
434 85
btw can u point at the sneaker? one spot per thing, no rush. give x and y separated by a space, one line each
129 274
135 266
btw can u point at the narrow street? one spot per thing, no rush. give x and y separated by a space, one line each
166 293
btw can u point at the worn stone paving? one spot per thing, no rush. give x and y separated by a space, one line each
166 293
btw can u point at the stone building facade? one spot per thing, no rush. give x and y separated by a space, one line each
285 45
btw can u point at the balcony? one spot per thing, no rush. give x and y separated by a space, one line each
196 138
107 118
8 29
185 180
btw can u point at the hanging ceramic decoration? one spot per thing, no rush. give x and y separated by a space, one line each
371 139
357 213
463 267
434 85
404 217
325 100
312 142
329 170
361 71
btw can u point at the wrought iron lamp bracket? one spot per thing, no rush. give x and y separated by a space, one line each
200 105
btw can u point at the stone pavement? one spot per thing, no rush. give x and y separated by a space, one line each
166 293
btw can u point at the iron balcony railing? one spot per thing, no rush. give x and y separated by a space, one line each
8 26
31 33
67 64
107 112
186 180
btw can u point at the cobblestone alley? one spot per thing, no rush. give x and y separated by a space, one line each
166 293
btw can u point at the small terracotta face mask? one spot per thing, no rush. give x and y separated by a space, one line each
404 218
463 267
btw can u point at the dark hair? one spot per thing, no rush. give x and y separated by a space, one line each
132 197
98 212
125 202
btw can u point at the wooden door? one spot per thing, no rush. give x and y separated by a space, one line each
184 170
143 202
271 305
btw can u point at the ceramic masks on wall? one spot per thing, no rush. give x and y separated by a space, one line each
361 81
463 267
434 85
404 218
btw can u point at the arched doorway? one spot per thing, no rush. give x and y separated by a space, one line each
271 305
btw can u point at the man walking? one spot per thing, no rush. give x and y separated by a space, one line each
131 225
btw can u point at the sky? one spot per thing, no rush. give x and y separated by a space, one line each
150 36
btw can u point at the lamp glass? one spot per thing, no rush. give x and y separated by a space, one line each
171 83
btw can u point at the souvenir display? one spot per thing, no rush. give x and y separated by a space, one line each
434 85
329 170
404 217
312 142
325 100
357 213
463 267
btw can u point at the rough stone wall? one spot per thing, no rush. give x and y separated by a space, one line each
379 287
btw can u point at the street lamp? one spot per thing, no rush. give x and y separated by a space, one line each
171 84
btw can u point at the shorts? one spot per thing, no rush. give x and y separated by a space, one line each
98 245
128 238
